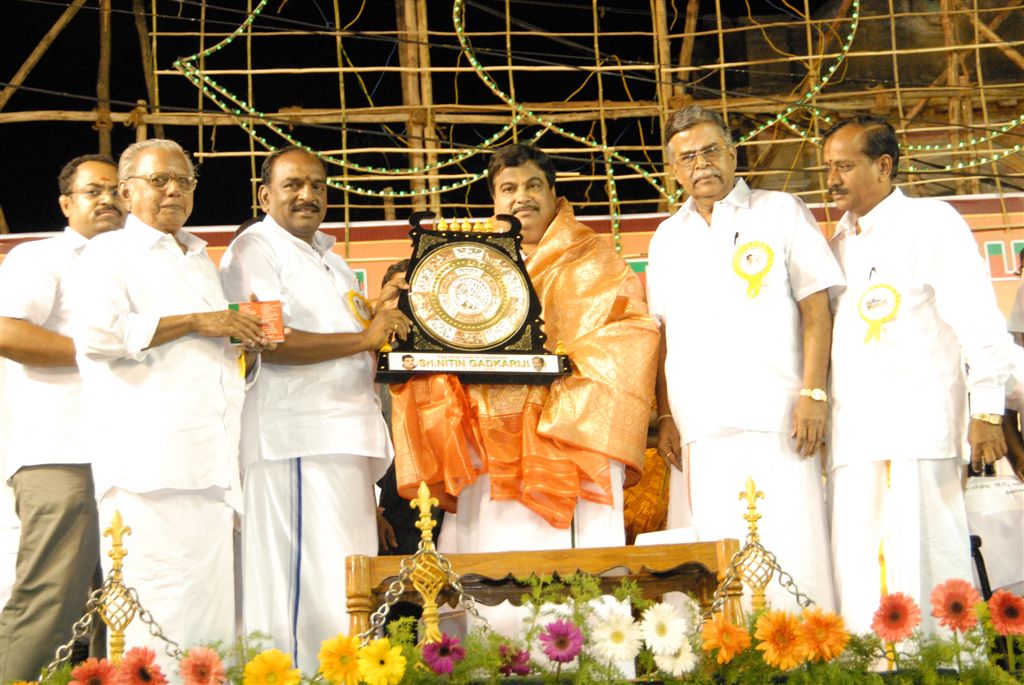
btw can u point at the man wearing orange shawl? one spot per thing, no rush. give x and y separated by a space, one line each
537 467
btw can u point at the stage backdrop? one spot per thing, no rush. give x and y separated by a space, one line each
373 246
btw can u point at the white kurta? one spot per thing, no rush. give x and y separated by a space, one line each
902 397
163 424
734 365
314 443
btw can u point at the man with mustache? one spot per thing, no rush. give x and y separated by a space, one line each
901 395
164 392
542 467
314 441
51 477
738 280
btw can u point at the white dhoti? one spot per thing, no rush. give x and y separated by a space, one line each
897 526
793 525
180 562
302 518
486 525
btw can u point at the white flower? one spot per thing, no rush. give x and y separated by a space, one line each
615 637
664 628
679 663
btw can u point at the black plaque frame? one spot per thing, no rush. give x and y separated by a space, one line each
511 361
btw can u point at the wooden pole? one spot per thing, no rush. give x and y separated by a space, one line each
39 50
147 61
666 88
405 13
427 99
4 228
103 123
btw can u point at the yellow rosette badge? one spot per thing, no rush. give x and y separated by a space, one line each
877 306
360 308
751 262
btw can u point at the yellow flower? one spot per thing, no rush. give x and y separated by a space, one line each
24 682
823 635
727 638
271 667
338 659
380 663
779 632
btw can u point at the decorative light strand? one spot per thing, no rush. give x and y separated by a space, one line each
995 157
1011 124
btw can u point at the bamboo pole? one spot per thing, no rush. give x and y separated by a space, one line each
992 36
139 12
427 99
405 14
103 123
4 228
343 120
668 92
40 49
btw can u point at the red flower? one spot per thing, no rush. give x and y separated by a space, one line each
139 668
94 672
896 617
953 604
202 666
1007 612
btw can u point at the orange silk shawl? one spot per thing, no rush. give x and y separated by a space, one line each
544 446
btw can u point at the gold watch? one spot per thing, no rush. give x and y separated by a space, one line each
816 394
994 419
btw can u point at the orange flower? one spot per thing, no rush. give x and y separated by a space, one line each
896 617
1007 612
139 667
729 639
823 635
94 671
779 633
953 604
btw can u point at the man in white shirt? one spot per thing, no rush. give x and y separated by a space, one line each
738 280
164 392
52 481
314 441
917 305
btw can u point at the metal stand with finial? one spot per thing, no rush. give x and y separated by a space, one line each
754 565
429 572
115 604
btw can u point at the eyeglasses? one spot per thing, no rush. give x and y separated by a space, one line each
186 184
95 192
689 159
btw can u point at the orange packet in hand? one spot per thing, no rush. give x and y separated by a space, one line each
269 313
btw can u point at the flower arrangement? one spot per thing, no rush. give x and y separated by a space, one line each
580 643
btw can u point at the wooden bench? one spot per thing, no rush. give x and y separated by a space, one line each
695 567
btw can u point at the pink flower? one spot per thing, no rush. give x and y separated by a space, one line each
953 604
1007 611
514 661
896 617
202 666
561 641
442 656
94 672
138 667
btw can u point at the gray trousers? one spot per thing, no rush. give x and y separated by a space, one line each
58 555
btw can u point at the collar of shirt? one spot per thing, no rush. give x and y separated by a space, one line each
879 215
322 242
146 236
76 240
739 196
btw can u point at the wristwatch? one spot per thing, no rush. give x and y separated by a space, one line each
816 394
994 419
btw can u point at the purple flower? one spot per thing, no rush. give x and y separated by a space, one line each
514 661
442 656
561 641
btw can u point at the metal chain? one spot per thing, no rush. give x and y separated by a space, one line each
83 626
785 579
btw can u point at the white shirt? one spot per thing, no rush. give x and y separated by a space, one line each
43 403
167 416
735 362
310 409
904 394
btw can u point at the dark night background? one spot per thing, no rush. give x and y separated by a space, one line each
65 79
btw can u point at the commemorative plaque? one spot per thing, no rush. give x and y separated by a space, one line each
473 309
